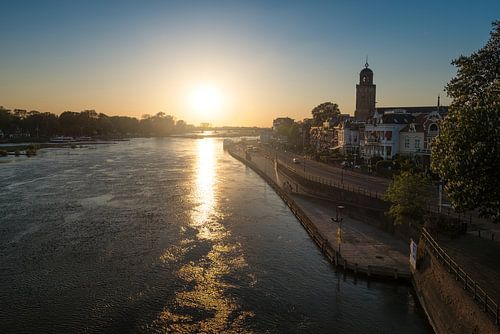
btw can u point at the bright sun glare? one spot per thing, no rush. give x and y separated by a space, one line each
206 99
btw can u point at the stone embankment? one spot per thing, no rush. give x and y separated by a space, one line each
361 249
453 301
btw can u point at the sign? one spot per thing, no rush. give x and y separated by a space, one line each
413 254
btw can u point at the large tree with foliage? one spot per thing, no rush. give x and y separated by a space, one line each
466 154
409 194
324 111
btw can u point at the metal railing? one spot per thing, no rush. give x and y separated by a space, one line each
328 181
477 292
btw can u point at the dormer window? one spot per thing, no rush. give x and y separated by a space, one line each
433 128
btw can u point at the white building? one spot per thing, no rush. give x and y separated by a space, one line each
349 135
381 137
411 140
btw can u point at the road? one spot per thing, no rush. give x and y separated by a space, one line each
338 175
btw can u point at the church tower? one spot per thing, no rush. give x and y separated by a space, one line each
365 95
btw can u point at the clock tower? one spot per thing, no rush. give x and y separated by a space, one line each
365 95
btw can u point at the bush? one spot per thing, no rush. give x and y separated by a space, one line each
383 164
3 153
374 160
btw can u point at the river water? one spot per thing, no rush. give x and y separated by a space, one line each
170 235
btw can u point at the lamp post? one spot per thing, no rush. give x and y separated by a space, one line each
338 219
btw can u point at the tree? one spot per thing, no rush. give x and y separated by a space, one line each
409 194
466 154
324 111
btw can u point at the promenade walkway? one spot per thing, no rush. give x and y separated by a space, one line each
364 248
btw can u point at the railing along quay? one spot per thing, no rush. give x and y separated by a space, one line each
477 292
321 241
329 182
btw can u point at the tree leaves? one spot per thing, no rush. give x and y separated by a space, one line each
323 112
409 194
466 154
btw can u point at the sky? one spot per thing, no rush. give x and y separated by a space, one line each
240 63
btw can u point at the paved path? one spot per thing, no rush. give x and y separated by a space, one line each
362 244
480 258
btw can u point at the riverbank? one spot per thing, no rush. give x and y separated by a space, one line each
363 249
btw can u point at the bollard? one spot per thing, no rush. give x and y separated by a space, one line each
369 271
395 273
356 268
345 264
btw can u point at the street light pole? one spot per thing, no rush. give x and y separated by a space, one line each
338 219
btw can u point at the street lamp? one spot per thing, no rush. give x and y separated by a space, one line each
338 219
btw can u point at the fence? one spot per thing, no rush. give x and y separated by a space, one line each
478 293
328 182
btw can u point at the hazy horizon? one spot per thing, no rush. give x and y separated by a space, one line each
230 63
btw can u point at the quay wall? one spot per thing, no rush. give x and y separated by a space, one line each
447 299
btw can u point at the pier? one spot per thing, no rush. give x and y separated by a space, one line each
364 249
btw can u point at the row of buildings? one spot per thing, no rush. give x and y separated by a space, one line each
373 131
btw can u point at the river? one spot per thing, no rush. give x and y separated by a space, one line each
170 235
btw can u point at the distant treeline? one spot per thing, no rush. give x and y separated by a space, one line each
35 124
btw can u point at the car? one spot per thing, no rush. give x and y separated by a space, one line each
296 161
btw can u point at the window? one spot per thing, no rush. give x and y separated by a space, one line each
407 142
433 128
417 142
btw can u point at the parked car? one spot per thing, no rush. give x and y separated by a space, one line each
296 161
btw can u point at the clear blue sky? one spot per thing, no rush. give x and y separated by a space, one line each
262 58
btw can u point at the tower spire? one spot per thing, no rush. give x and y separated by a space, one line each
366 63
438 101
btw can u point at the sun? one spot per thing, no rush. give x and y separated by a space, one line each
206 100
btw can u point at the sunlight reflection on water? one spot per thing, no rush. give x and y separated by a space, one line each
208 293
